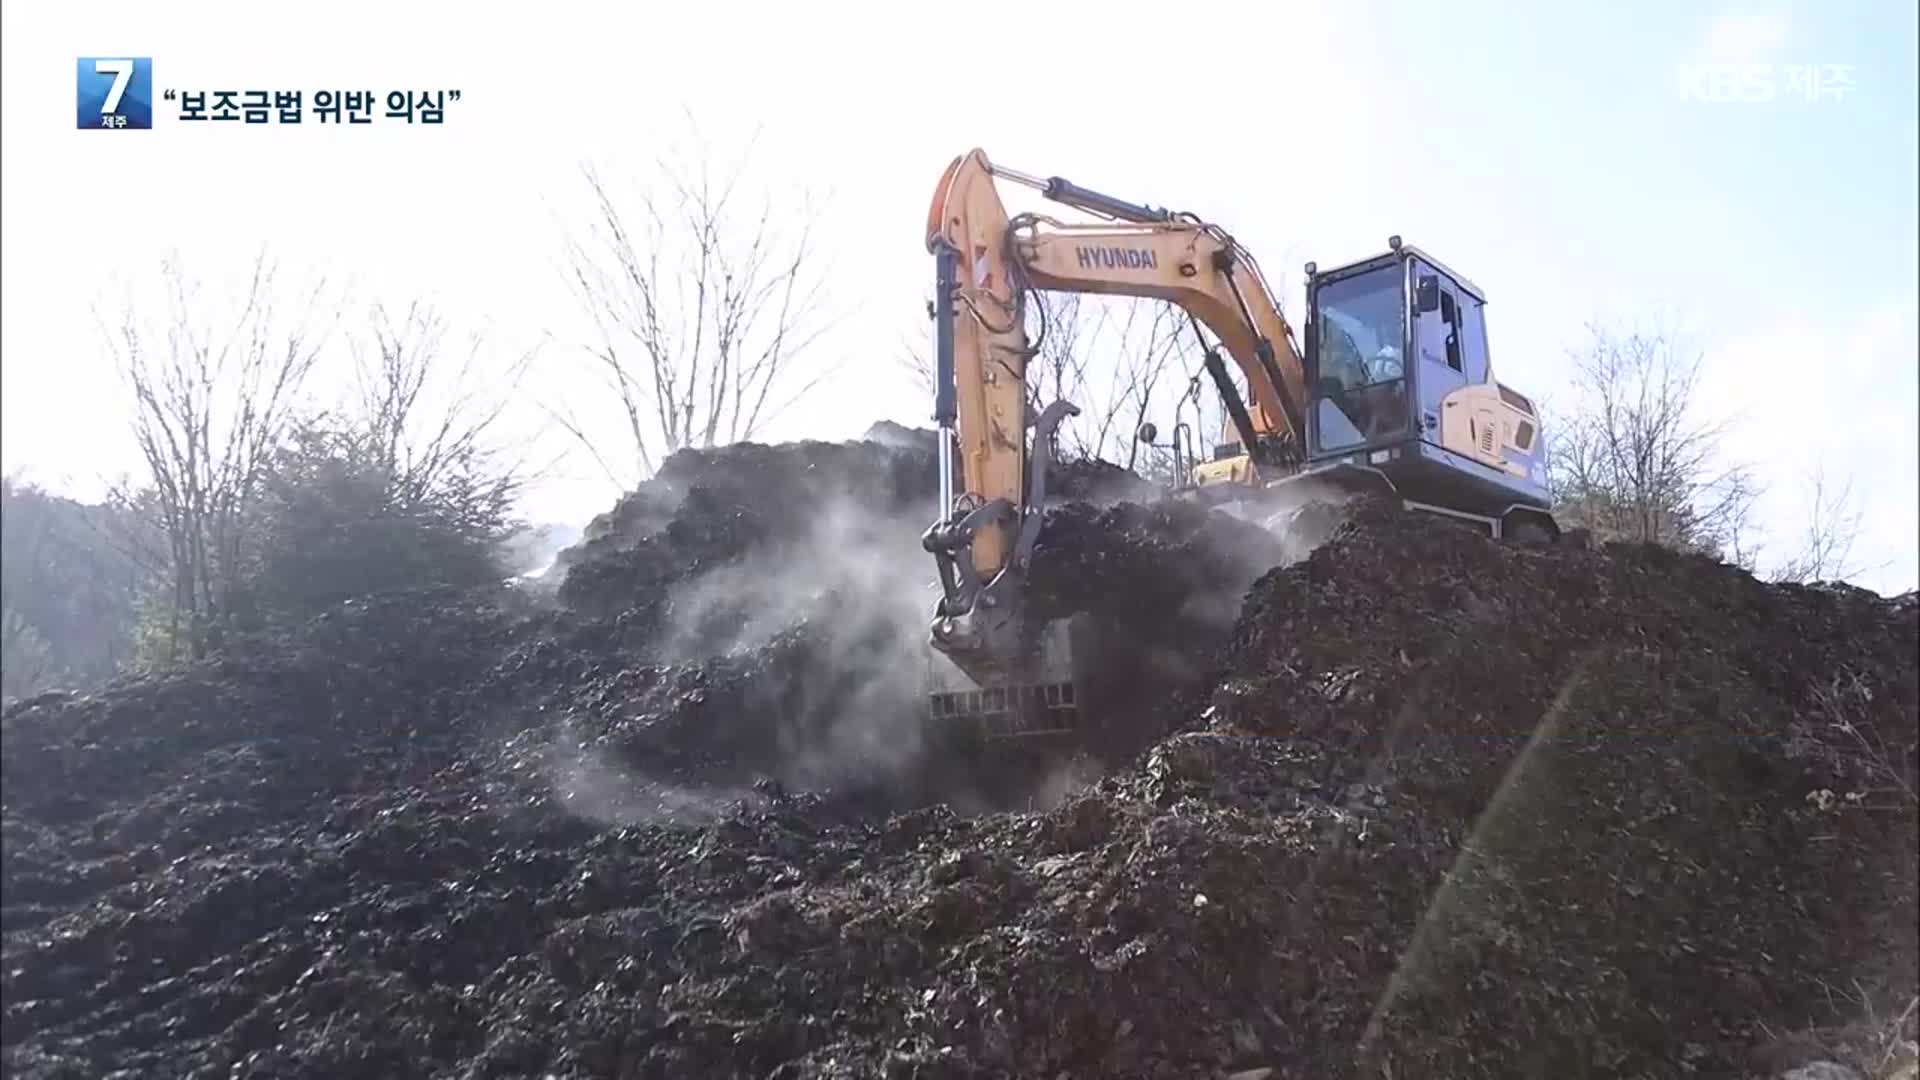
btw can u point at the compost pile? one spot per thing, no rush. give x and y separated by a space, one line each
1416 804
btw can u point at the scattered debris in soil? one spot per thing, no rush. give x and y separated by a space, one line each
1418 804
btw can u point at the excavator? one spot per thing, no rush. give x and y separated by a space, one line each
1389 393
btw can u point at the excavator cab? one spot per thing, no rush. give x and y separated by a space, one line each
1402 399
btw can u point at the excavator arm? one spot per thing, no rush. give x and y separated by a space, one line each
987 265
1195 267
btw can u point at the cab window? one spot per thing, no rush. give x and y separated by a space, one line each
1360 392
1473 339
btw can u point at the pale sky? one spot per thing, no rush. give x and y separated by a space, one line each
1547 151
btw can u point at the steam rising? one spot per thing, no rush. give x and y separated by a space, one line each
853 593
831 627
589 783
1303 514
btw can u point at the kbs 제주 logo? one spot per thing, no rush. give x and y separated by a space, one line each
115 92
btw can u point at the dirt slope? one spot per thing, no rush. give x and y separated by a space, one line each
1425 805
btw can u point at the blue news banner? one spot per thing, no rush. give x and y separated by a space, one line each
116 93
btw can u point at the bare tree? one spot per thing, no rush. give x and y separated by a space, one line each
1632 459
1831 530
1057 370
407 484
1108 355
1057 365
702 299
428 423
209 405
916 360
1149 343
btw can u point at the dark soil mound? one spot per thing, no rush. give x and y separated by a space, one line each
1630 797
1439 808
708 508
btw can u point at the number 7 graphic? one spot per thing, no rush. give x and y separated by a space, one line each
115 92
122 72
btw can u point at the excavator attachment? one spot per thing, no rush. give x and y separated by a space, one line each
994 671
1036 697
1001 669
